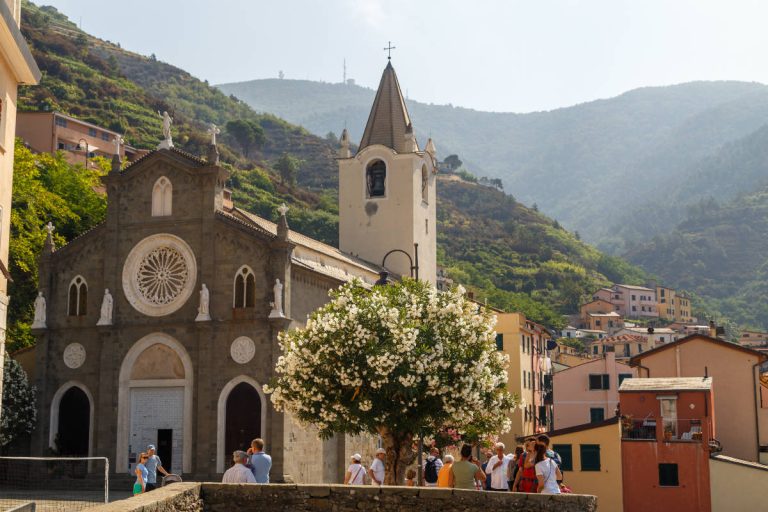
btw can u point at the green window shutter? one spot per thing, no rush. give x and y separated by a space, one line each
566 455
499 341
623 376
606 381
590 457
596 414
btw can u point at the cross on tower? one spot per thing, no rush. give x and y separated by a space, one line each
389 49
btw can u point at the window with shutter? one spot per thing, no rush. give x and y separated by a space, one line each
595 381
566 456
590 457
596 414
623 376
499 341
606 381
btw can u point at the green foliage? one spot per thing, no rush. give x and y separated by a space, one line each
453 162
19 414
248 133
288 167
46 189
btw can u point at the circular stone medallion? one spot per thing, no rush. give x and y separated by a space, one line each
74 355
159 275
243 349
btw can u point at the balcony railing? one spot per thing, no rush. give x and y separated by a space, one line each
669 429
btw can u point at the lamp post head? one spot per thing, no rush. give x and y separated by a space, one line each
383 275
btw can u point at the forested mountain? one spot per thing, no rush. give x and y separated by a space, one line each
513 256
720 251
609 169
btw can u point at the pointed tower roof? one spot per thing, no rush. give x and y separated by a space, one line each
389 120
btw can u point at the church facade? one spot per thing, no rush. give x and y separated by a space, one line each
160 325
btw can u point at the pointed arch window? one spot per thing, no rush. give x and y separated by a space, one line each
424 183
162 197
376 177
78 297
245 288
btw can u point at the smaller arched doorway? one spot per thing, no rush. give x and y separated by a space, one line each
243 417
74 423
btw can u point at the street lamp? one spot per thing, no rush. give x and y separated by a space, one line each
414 267
87 150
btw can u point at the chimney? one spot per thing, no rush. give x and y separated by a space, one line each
712 329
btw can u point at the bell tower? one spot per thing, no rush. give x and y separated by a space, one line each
387 189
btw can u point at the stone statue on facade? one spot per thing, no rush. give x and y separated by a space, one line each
203 311
118 141
213 131
277 305
107 304
39 321
167 142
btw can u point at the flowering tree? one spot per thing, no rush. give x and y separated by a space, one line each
394 360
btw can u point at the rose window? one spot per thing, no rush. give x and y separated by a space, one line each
162 275
159 274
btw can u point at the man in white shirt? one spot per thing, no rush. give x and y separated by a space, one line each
239 474
497 468
376 470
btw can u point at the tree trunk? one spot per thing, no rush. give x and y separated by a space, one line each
400 454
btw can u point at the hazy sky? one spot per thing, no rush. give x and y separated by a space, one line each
503 55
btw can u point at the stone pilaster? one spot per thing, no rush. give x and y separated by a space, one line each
276 441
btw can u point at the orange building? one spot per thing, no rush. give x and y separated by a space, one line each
48 132
742 418
667 426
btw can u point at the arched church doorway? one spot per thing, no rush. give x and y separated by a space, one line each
243 421
155 403
241 417
74 423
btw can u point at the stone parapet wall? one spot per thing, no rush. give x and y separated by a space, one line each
214 497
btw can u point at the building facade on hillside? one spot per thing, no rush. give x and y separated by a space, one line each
683 308
600 314
656 335
635 301
17 67
160 325
667 426
742 417
666 303
753 339
48 132
589 392
623 345
530 373
591 455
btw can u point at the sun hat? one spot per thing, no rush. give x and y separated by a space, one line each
357 457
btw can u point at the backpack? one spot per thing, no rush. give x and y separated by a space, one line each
430 472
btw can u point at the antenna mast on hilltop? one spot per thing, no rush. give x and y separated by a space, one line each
345 72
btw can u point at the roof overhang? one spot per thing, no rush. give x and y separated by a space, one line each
14 49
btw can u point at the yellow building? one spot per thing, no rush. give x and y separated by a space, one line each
591 455
666 302
530 373
683 309
17 67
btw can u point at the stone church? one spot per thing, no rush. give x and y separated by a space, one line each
160 325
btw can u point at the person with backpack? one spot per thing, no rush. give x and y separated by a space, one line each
544 439
514 466
432 467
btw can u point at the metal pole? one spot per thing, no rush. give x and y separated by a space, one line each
106 480
421 468
416 257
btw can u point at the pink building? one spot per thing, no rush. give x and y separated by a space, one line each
589 392
635 301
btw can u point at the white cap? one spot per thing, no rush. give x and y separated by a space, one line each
381 450
357 457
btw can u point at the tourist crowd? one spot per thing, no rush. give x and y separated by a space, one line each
533 468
